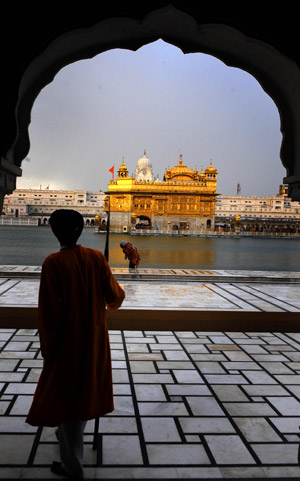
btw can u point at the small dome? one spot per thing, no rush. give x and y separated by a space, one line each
123 167
181 172
123 171
144 162
202 175
211 169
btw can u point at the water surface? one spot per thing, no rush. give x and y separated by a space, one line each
29 245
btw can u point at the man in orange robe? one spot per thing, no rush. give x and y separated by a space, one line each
76 381
131 254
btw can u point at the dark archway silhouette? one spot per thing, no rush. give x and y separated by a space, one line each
278 75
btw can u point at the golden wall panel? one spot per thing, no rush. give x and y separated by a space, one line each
183 192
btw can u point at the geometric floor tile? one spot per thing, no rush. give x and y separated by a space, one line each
234 413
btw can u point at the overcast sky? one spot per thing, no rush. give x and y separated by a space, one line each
119 103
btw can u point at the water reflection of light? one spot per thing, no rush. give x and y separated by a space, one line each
30 245
166 252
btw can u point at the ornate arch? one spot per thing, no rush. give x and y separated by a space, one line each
278 75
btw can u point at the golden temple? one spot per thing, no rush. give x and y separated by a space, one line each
185 198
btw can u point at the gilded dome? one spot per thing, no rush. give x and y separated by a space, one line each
202 175
123 167
123 171
211 169
181 172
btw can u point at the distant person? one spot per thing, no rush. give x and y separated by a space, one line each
76 381
131 254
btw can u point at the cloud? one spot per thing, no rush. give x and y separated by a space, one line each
120 102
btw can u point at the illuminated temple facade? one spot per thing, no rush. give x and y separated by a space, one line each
183 200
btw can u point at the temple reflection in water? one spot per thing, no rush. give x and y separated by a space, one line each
184 199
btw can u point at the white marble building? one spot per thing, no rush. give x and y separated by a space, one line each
40 203
265 208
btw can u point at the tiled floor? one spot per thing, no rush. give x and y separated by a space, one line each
187 405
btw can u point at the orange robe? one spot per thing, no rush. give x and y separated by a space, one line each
76 381
132 254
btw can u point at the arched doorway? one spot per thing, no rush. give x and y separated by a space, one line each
143 222
275 72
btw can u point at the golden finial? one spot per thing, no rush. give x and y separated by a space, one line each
180 159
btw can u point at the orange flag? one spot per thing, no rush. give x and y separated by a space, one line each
112 171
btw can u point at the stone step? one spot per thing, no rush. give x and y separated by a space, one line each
172 275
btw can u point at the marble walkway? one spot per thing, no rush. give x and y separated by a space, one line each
188 405
176 289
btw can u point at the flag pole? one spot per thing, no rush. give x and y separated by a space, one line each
106 255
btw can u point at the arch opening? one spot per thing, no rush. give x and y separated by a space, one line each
195 102
275 72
